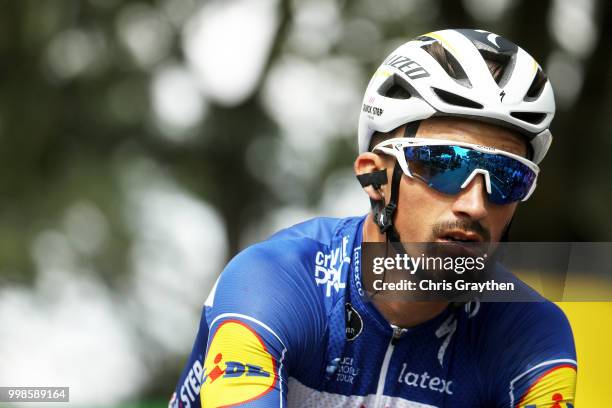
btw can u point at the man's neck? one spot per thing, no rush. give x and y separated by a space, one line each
400 313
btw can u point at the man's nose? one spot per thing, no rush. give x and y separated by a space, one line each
472 200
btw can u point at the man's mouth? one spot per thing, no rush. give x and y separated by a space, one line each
460 236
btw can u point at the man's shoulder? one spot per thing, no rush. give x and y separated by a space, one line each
290 254
526 351
320 229
517 339
530 313
534 315
298 245
521 328
278 281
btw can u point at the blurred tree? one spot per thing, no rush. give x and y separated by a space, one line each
75 109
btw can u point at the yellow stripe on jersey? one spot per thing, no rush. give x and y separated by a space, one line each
554 388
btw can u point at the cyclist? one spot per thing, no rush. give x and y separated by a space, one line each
287 322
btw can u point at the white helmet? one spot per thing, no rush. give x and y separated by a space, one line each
521 98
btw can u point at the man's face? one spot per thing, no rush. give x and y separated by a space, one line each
426 215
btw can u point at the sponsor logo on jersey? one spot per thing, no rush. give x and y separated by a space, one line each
357 270
552 389
372 110
445 331
472 308
238 367
425 381
347 370
328 267
354 322
190 389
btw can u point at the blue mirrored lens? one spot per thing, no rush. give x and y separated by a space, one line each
445 168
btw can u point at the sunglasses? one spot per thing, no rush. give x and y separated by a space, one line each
449 166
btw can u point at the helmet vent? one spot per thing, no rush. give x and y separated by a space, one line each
498 53
454 99
500 65
448 62
537 86
395 87
530 117
397 92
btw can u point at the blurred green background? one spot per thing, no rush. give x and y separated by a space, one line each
144 143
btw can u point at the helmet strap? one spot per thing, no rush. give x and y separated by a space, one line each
383 214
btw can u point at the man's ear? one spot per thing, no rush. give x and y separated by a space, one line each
369 162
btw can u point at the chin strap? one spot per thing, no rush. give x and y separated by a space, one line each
384 212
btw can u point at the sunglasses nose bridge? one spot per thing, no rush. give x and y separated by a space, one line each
476 172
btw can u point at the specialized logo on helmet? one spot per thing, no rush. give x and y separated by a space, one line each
487 38
554 388
409 67
493 39
238 367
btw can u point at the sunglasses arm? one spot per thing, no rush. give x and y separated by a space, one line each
398 153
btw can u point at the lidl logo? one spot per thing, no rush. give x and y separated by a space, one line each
553 389
555 402
238 367
235 369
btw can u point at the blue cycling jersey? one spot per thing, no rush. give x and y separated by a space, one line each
287 325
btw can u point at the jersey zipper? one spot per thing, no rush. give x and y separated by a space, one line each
397 333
